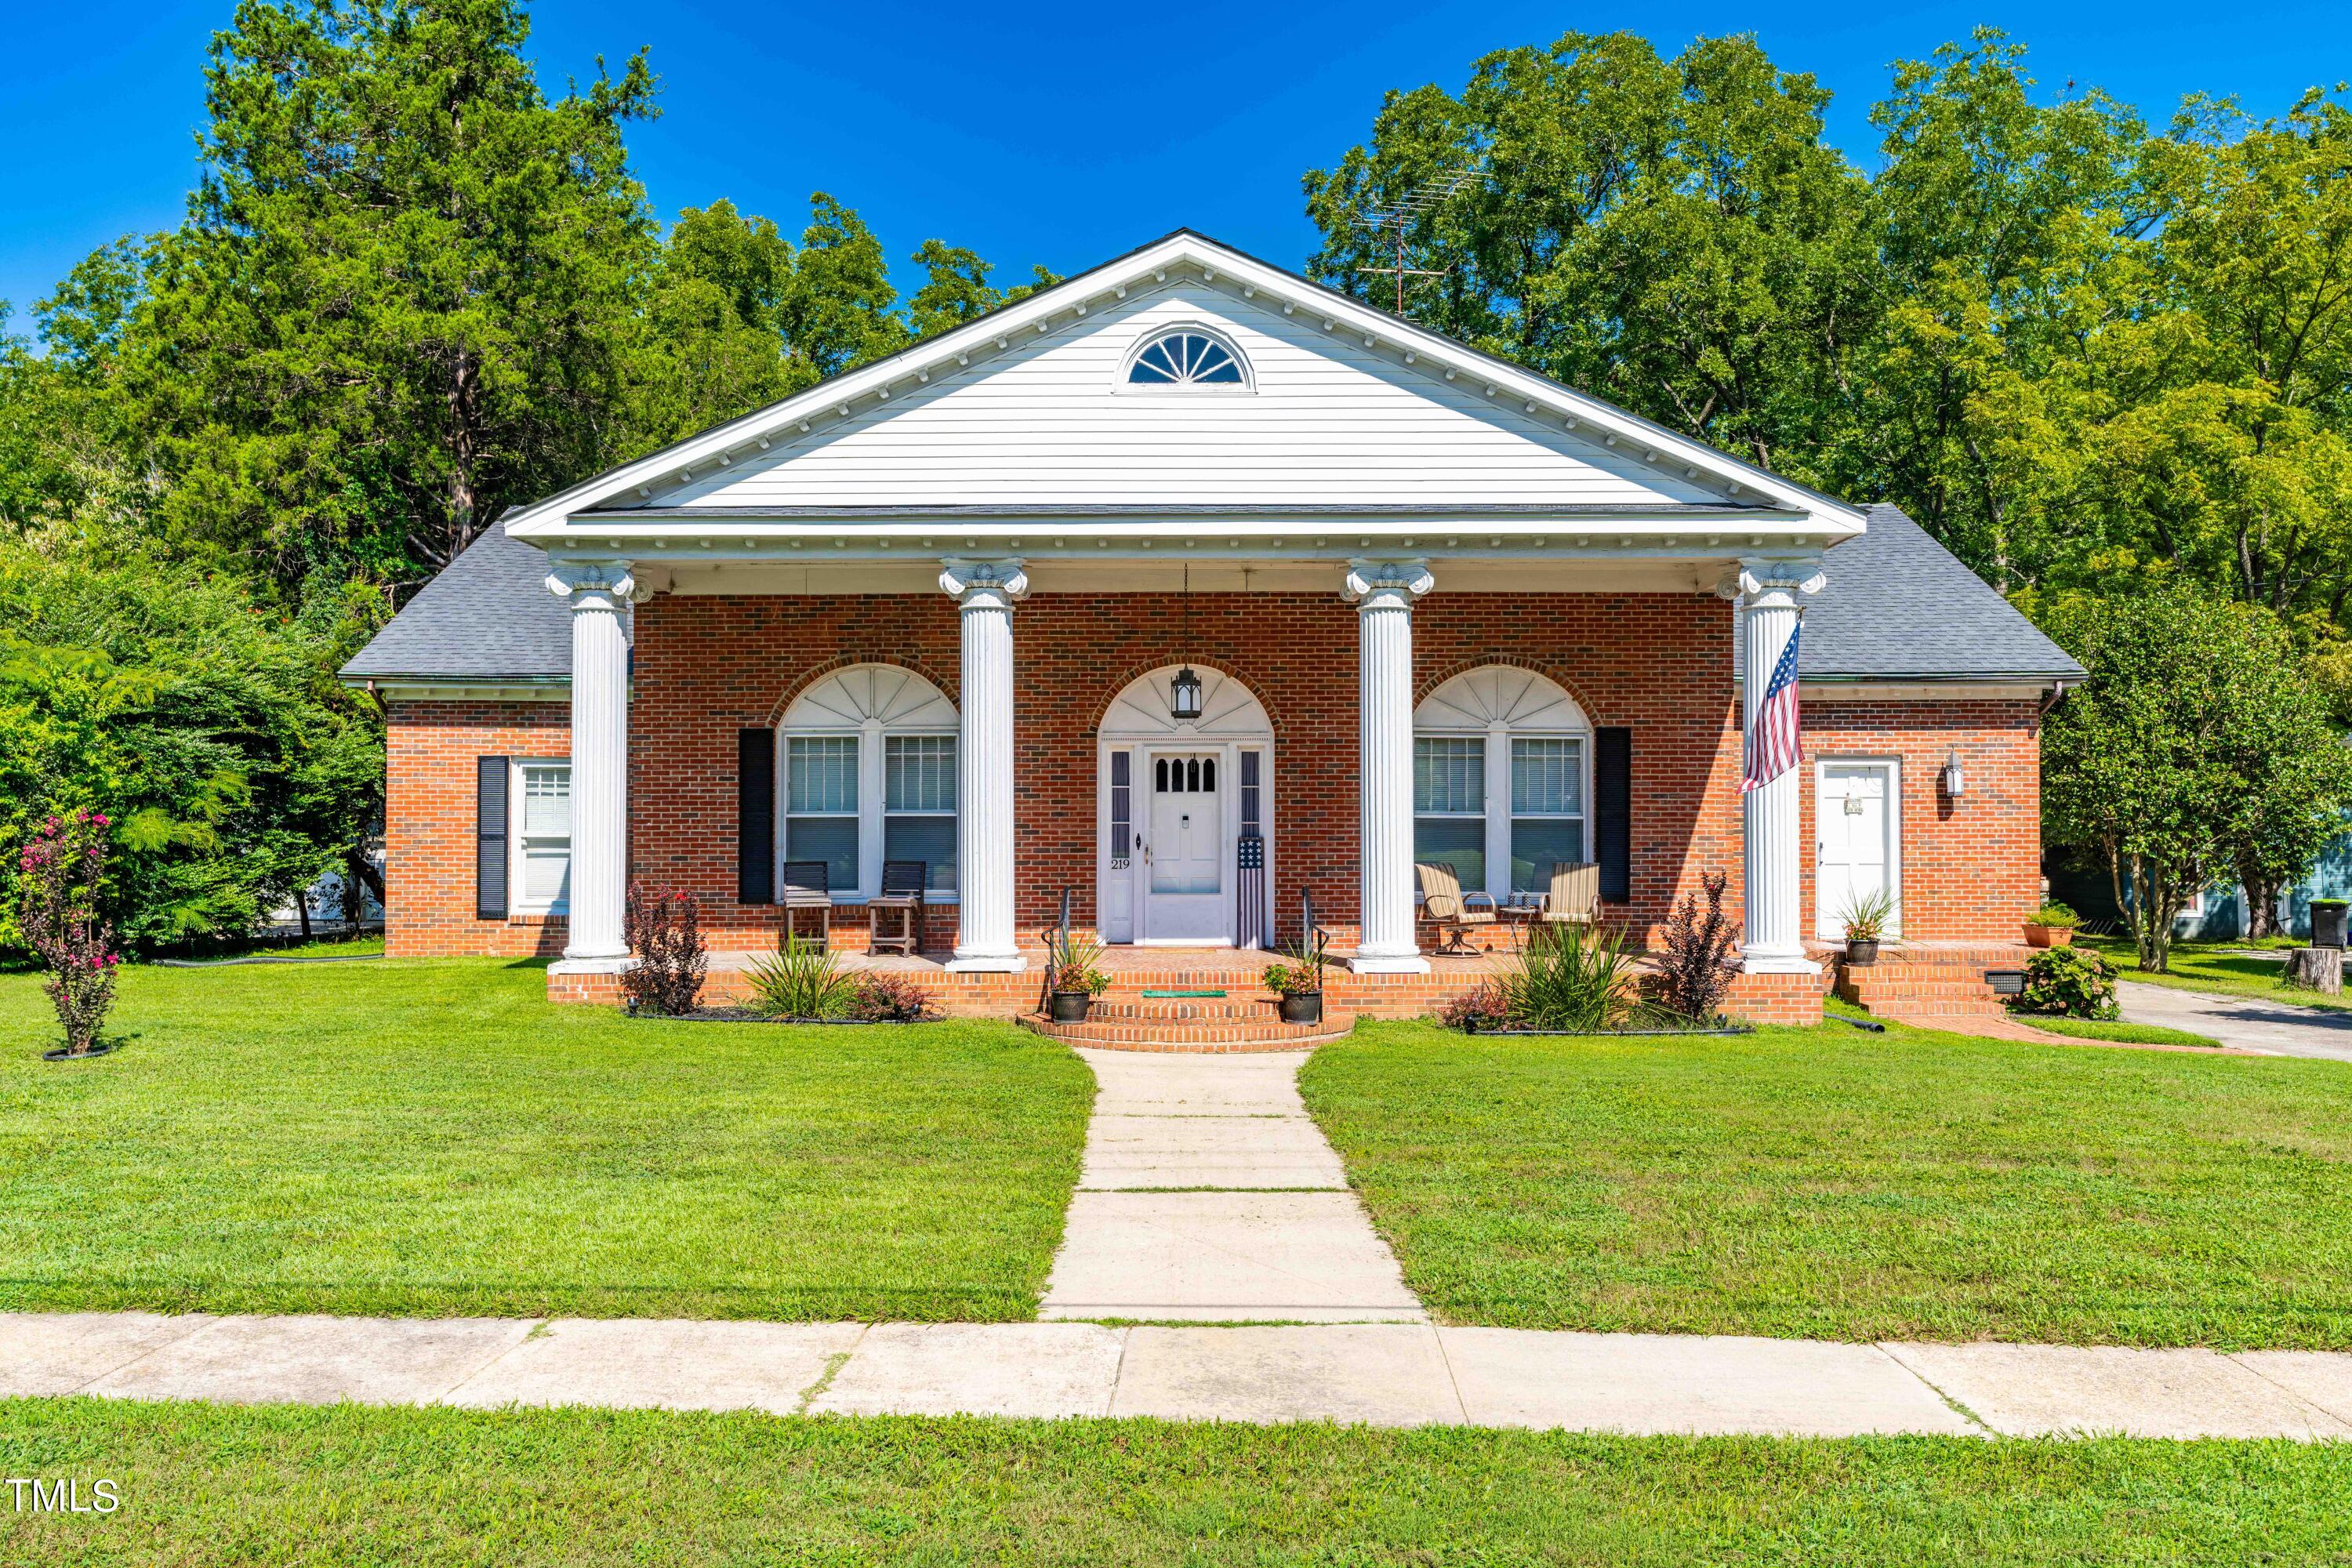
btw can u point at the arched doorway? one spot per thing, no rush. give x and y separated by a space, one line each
1184 816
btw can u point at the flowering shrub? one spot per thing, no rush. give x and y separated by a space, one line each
1488 1007
63 866
1700 953
665 931
879 996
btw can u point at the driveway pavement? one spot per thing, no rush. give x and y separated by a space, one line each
2242 1021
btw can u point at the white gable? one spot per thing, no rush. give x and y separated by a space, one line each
1053 421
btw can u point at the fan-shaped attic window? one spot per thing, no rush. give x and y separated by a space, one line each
1187 357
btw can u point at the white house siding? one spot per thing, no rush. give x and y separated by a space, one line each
1329 423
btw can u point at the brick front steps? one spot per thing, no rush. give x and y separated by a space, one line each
1920 982
1238 1023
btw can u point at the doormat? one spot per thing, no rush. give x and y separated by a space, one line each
1167 993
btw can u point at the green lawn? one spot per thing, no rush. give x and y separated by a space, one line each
210 1484
436 1138
2116 1031
1832 1184
2221 967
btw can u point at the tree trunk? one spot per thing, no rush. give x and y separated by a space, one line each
303 904
2317 969
2261 904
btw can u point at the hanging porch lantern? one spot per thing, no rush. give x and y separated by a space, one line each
1185 695
1185 691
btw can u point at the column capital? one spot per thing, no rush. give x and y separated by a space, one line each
1386 585
591 584
1772 579
983 584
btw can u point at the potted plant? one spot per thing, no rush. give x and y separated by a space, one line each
1298 982
1866 920
1072 979
2052 925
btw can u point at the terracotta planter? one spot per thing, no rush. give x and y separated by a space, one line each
1862 950
2049 936
1070 1007
1302 1007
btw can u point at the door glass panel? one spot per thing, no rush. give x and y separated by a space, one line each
1122 828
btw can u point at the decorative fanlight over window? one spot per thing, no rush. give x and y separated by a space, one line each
1185 359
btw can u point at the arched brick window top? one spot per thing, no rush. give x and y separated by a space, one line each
1502 772
891 694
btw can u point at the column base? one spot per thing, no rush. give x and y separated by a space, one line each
1388 963
1776 961
594 963
987 963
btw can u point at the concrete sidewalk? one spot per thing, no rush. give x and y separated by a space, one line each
1208 1195
1381 1374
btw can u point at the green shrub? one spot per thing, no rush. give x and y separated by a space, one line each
803 979
1566 981
2055 915
2069 981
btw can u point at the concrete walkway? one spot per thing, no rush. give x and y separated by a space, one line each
1385 1374
1209 1196
2246 1022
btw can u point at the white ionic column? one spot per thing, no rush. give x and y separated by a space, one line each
1772 827
600 759
985 592
1383 593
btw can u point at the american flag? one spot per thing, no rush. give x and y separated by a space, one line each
1772 743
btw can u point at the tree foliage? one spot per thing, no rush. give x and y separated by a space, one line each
2193 749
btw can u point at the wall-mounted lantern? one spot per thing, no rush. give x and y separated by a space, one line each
1955 782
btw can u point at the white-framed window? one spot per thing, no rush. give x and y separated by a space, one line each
1502 779
1185 358
868 773
541 874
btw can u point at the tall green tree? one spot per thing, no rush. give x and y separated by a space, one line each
2193 753
404 287
1676 235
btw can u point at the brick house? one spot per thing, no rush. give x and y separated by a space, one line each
1195 591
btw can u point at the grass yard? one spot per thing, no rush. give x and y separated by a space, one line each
436 1138
1833 1184
2117 1032
353 1484
2220 967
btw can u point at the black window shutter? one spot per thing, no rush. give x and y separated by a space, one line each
490 839
755 817
1612 811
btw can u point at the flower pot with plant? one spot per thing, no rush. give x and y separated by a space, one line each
1072 980
1298 981
1866 920
2052 925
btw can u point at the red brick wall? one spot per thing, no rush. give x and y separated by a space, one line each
431 749
1659 663
1972 866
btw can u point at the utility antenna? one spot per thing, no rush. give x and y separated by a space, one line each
1388 225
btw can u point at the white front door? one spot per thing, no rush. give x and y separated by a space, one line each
1185 898
1856 811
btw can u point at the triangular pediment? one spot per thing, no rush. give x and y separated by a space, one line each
1341 408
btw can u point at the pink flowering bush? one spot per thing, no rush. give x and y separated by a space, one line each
63 866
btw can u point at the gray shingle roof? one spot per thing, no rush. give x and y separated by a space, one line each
487 616
1899 606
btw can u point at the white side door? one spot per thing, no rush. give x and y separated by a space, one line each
1854 808
1185 852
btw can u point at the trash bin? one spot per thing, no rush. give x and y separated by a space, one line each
2327 921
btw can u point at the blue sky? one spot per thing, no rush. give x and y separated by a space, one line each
1038 132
